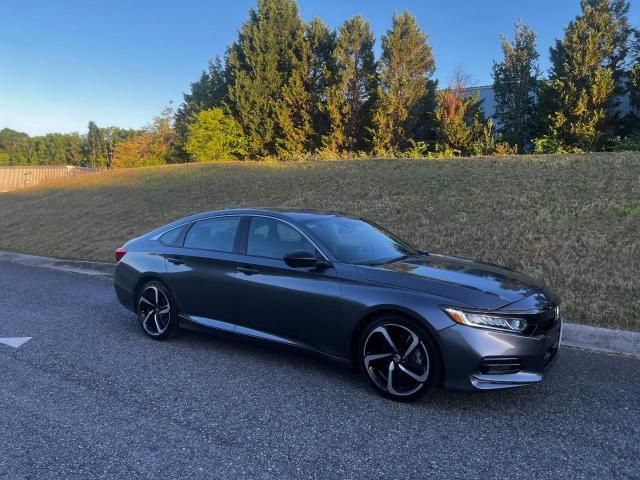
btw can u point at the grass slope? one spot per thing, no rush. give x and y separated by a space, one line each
572 221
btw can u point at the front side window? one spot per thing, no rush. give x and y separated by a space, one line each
217 234
272 238
353 240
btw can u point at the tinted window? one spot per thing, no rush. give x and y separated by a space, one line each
274 239
356 241
173 238
213 234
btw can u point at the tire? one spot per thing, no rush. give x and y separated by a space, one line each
157 314
394 346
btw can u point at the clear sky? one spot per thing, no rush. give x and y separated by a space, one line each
117 62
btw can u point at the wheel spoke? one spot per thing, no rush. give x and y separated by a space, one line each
155 289
417 378
142 299
414 343
390 388
158 329
146 319
374 357
164 310
387 337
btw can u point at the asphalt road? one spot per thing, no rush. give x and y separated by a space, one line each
89 396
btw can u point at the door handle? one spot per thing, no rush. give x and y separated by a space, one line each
248 270
176 260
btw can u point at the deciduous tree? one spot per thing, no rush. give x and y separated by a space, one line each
207 92
150 147
459 118
96 151
216 135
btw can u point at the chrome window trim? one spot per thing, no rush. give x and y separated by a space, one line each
157 236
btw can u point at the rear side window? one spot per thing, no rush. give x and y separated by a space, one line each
173 238
217 234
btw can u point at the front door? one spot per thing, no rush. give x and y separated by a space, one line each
291 305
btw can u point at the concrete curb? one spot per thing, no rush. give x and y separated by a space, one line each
574 335
601 339
94 269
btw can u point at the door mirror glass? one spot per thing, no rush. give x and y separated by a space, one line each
301 259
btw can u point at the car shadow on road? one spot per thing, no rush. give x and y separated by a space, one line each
253 354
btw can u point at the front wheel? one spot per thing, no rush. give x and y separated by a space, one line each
156 312
400 359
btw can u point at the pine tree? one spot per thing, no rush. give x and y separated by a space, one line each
405 71
261 64
582 82
294 111
206 93
322 42
633 89
618 61
352 92
515 81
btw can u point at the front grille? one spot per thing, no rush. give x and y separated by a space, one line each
499 365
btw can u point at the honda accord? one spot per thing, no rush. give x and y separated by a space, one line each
347 289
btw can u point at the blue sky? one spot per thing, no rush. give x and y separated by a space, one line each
63 63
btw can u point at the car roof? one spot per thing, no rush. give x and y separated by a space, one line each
296 214
293 214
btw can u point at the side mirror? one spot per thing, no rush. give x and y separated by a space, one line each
302 259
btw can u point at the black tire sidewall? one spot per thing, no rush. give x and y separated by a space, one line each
173 316
435 362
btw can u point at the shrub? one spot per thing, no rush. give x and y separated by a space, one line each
550 144
628 144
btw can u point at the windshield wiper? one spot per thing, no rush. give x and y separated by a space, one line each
390 260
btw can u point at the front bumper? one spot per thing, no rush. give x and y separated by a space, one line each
481 359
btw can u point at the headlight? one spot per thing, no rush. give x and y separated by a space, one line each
483 320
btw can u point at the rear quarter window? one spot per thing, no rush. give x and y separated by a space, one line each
173 238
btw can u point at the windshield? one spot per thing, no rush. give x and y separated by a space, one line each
358 241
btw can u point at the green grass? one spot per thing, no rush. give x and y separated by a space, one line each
628 209
570 221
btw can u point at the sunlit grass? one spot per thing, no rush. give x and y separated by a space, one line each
571 221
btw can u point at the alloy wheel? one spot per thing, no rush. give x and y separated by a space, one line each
396 359
154 310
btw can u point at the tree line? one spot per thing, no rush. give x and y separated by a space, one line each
89 150
287 89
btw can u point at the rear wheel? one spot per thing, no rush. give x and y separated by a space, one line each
156 312
399 358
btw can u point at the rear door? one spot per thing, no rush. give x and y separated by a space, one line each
281 303
200 272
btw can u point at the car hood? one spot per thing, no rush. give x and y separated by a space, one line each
465 282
